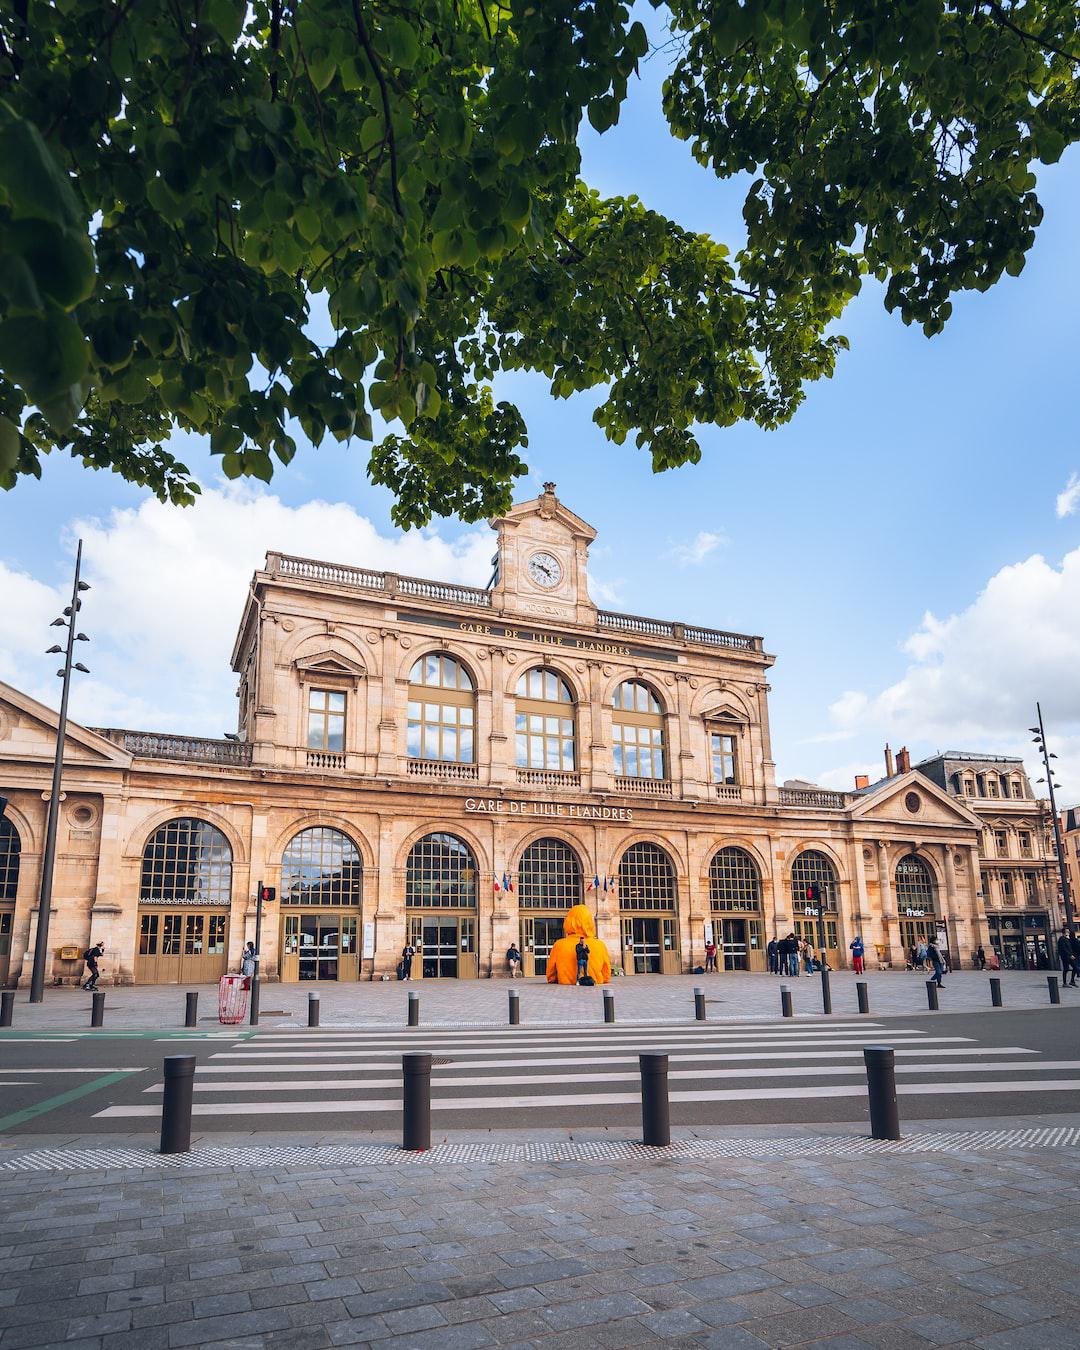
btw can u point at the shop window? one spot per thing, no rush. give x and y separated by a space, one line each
441 873
544 722
734 882
326 720
442 710
646 879
724 751
187 861
321 866
637 732
549 876
9 860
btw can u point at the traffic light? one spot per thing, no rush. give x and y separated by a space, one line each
268 893
813 893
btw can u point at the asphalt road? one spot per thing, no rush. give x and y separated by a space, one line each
309 1084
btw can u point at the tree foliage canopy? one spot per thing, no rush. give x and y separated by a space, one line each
186 186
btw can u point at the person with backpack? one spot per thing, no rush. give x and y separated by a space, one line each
513 960
247 964
710 957
934 957
858 951
90 960
581 951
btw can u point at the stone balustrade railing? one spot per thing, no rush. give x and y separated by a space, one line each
819 797
160 745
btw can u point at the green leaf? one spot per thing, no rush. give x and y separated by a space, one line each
34 184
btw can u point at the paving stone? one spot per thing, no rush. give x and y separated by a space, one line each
673 1322
587 1311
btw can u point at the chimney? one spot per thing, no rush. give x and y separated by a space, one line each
903 760
889 770
862 780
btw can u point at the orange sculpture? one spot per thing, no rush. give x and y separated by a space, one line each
562 966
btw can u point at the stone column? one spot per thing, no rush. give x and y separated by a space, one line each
501 742
600 731
955 927
389 913
890 930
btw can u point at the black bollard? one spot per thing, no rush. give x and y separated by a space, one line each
881 1086
785 1001
1054 987
932 995
655 1111
7 1007
826 992
864 995
191 1009
414 1010
97 1012
609 1006
313 1006
515 1008
176 1103
995 991
416 1102
699 1005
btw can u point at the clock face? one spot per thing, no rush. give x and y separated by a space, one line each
545 570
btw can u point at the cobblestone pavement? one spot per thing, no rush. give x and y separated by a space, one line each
966 1249
650 998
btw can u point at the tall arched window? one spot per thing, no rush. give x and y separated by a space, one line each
637 732
810 866
914 885
10 847
442 710
544 722
321 866
441 874
646 879
549 876
187 862
734 883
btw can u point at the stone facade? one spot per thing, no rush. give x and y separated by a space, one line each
319 642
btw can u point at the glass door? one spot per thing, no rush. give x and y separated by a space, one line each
646 946
539 934
734 944
440 948
308 963
329 946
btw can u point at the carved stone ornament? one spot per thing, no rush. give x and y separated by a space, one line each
608 670
581 667
868 855
371 637
511 658
693 683
913 802
406 642
287 625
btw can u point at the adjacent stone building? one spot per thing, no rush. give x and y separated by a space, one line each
452 767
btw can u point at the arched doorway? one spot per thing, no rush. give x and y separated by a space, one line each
185 891
813 866
915 902
735 902
548 883
321 896
441 879
647 908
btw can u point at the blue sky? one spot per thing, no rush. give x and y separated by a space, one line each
923 478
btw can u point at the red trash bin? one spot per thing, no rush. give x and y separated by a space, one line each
233 999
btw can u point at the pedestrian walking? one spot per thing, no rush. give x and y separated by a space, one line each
513 961
581 951
710 957
808 956
934 957
858 951
772 951
248 957
921 953
1068 961
980 957
90 959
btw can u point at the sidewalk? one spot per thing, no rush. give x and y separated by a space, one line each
969 1248
640 998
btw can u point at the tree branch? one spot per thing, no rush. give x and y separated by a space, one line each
1006 22
388 135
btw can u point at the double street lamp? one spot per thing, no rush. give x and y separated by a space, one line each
1039 739
68 621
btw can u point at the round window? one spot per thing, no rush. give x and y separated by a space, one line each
913 802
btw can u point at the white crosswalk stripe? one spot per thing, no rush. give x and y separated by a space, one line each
578 1071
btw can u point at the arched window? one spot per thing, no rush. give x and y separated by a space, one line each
10 847
442 710
544 722
187 862
810 866
646 879
321 866
734 883
637 732
441 874
914 886
549 876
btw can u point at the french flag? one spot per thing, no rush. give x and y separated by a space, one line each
594 885
508 883
498 888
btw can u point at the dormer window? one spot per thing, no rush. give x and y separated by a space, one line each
326 720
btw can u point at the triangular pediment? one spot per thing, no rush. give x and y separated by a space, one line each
28 732
332 664
724 711
548 507
890 801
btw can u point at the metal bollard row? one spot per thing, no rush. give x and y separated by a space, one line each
314 1005
995 991
416 1102
514 1008
191 1009
864 995
97 1011
414 1010
176 1103
880 1063
609 1006
655 1106
932 995
826 992
1054 987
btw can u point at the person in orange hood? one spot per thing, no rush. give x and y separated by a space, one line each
562 966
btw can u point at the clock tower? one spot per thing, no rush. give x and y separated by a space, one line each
541 562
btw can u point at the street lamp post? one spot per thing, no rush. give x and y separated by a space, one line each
1063 874
70 620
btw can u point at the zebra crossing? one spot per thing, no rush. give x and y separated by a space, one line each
550 1078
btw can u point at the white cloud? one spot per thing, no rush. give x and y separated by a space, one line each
695 552
1068 500
605 592
974 676
168 589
